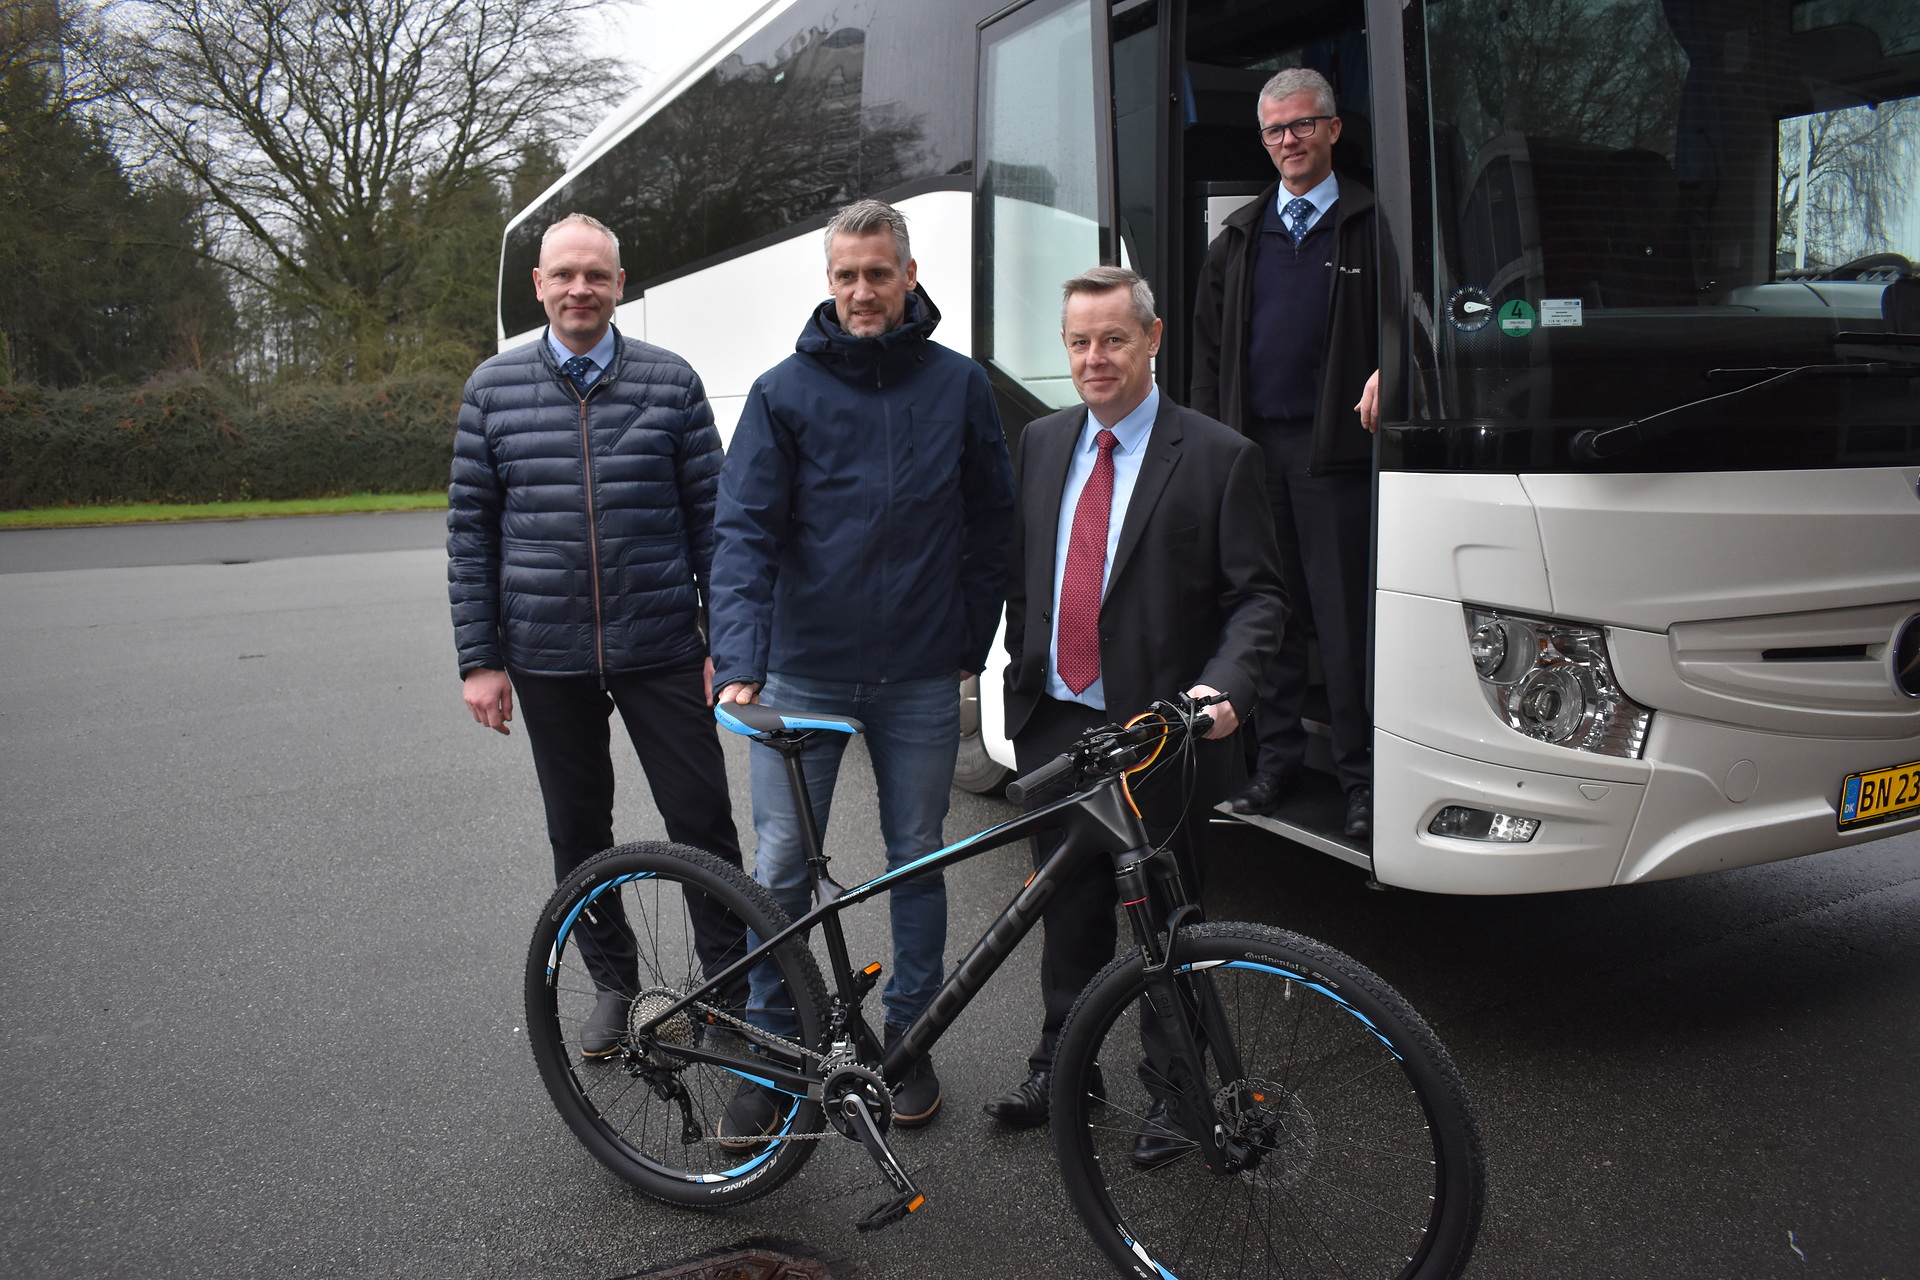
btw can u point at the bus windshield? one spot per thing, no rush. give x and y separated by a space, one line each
1639 204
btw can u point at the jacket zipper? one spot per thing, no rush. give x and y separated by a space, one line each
593 543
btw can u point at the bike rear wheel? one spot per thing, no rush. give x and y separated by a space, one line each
1366 1160
652 1117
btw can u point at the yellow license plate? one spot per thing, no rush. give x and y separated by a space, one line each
1879 795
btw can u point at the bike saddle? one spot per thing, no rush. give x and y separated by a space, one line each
757 720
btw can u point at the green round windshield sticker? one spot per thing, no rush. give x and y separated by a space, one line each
1516 319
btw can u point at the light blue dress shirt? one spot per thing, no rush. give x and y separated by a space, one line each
1321 198
601 355
1131 435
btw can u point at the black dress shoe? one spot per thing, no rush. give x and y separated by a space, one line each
1360 813
1025 1106
1159 1140
1263 792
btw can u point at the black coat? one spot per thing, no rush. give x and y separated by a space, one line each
1194 594
1223 307
580 532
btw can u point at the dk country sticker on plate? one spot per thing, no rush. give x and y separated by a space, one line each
1880 795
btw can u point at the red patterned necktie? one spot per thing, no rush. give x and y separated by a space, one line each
1086 572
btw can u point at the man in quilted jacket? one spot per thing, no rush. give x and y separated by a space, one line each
580 536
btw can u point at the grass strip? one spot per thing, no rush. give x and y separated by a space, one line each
160 512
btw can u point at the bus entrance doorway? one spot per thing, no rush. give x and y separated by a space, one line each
1226 51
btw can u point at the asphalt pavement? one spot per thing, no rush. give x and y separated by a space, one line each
267 892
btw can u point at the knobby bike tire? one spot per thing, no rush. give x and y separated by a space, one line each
1369 1157
637 1112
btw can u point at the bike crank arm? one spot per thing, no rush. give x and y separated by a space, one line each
907 1197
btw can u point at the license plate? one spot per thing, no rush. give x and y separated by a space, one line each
1879 795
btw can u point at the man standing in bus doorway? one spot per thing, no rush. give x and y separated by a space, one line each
580 531
1286 350
861 564
1144 564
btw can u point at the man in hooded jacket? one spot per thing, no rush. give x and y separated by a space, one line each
859 569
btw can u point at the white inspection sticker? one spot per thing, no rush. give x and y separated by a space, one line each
1560 313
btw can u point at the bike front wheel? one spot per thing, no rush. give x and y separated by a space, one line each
1359 1152
647 924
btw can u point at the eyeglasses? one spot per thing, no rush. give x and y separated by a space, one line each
1302 129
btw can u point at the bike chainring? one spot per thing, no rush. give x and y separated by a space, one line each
849 1078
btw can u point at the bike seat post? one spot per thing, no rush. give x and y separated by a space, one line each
788 745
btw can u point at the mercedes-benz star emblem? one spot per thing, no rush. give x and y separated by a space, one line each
1906 657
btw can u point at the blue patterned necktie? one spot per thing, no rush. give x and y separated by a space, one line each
581 371
1298 210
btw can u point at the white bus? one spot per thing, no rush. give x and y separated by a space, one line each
1647 537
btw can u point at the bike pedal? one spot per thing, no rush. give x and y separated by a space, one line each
867 977
889 1212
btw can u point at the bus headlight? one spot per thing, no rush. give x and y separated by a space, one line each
1552 681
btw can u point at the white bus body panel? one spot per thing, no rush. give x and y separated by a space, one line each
1693 577
737 319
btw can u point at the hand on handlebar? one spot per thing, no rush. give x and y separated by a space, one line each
1225 719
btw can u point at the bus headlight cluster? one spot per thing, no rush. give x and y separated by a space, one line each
1553 681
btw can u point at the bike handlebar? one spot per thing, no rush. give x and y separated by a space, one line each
1020 789
1108 749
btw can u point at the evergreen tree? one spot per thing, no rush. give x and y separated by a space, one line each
102 279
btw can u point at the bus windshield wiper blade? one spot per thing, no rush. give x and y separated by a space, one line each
1591 446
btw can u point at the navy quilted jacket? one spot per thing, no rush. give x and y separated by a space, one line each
580 531
865 510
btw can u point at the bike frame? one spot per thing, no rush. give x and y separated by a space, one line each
1094 821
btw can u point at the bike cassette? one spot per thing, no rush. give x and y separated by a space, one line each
868 1087
679 1030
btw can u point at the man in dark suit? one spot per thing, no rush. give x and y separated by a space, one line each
1144 563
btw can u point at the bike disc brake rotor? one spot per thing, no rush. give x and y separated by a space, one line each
1276 1125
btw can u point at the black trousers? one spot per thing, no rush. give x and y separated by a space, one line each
672 728
1079 923
1323 523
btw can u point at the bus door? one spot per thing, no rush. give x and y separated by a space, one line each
1217 54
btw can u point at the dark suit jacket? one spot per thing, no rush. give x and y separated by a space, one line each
1194 594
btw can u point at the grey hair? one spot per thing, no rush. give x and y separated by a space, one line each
1298 80
1102 279
863 218
583 220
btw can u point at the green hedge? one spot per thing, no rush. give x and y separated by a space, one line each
193 439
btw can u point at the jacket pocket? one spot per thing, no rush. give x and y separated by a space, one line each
934 441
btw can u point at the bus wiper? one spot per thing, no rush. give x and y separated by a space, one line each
1593 445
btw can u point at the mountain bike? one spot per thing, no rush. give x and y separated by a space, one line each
1321 1128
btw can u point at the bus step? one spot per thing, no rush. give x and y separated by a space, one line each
1315 816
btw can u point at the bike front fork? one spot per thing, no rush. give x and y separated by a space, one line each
1182 1005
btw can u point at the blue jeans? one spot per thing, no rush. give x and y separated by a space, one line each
913 734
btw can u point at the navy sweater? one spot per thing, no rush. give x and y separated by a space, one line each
1287 331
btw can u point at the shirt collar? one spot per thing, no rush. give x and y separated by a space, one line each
1321 197
1131 431
601 355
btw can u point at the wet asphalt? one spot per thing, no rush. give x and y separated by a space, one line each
267 892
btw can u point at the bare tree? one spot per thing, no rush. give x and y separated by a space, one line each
345 141
1853 171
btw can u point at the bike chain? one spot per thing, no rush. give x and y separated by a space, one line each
761 1033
